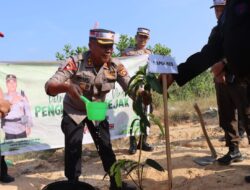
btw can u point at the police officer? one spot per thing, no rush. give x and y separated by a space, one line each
92 74
231 40
18 122
4 109
230 96
142 36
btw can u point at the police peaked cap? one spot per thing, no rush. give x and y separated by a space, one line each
10 77
102 36
143 31
218 3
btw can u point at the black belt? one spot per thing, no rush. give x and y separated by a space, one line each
12 120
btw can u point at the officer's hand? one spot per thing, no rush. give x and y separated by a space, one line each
218 68
74 91
170 79
220 78
4 107
146 97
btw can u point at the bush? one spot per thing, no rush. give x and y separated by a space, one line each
200 87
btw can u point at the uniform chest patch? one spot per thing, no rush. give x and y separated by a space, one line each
109 74
122 71
69 65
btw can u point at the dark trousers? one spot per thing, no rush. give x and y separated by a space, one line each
4 168
15 136
231 97
73 145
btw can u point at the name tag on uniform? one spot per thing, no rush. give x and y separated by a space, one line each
161 64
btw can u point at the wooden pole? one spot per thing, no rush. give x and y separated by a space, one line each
210 145
167 139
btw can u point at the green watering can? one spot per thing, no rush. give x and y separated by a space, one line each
95 110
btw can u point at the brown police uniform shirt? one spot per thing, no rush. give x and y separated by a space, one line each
132 51
80 70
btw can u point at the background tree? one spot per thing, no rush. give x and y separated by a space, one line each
124 42
68 51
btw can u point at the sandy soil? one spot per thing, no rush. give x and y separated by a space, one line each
187 143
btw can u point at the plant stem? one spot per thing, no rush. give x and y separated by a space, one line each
134 181
139 161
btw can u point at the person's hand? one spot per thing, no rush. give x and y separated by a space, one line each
220 78
218 68
170 79
74 91
4 107
146 97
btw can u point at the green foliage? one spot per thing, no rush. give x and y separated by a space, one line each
68 51
161 49
157 121
199 87
127 166
124 42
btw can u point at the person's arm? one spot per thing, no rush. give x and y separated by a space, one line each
59 82
4 107
199 62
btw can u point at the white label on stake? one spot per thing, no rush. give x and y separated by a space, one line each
161 64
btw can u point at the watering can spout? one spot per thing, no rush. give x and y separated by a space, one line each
84 99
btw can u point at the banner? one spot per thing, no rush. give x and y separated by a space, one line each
42 114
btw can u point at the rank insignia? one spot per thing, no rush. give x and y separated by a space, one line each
122 71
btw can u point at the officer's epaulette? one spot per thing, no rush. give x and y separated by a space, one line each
79 59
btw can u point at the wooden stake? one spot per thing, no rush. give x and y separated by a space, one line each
167 139
210 145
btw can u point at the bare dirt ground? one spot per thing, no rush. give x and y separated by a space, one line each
187 143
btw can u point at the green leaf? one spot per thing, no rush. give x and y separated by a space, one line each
113 168
154 164
142 70
132 125
135 82
157 121
154 83
134 86
118 177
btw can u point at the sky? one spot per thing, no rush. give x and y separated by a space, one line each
36 29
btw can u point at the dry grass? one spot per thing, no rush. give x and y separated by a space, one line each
181 111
